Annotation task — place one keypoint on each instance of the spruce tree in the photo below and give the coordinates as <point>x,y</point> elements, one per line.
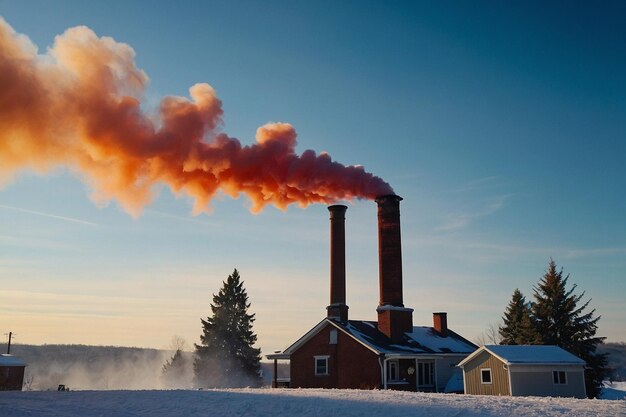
<point>177,371</point>
<point>226,356</point>
<point>562,322</point>
<point>519,327</point>
<point>174,373</point>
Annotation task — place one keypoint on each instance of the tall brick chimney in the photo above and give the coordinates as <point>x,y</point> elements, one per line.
<point>393,318</point>
<point>338,308</point>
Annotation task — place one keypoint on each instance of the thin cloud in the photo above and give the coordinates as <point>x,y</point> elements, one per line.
<point>500,249</point>
<point>182,218</point>
<point>462,220</point>
<point>478,183</point>
<point>49,215</point>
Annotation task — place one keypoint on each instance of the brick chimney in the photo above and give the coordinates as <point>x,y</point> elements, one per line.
<point>393,318</point>
<point>338,308</point>
<point>440,323</point>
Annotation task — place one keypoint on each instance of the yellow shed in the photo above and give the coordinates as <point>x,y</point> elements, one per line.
<point>524,370</point>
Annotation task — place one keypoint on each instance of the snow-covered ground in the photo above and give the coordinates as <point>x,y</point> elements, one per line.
<point>614,391</point>
<point>293,402</point>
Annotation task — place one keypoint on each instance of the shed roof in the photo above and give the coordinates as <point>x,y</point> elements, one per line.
<point>10,360</point>
<point>528,355</point>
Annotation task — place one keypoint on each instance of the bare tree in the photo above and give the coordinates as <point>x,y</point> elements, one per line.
<point>491,336</point>
<point>178,343</point>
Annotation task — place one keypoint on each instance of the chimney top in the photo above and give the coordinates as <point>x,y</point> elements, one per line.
<point>337,208</point>
<point>388,197</point>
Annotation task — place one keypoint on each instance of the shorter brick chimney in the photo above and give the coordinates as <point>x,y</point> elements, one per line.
<point>440,323</point>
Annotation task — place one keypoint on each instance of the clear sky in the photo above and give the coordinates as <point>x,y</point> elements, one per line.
<point>501,124</point>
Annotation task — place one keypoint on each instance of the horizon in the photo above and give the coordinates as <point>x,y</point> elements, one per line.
<point>501,126</point>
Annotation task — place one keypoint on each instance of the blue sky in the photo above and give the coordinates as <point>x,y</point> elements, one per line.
<point>502,125</point>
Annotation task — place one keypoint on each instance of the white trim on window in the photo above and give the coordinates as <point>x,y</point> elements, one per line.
<point>559,377</point>
<point>320,363</point>
<point>426,374</point>
<point>483,373</point>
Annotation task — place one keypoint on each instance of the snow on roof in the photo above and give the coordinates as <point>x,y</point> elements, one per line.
<point>534,354</point>
<point>422,340</point>
<point>367,333</point>
<point>428,337</point>
<point>527,355</point>
<point>10,360</point>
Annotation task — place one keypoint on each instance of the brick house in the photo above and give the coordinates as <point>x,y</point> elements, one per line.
<point>389,353</point>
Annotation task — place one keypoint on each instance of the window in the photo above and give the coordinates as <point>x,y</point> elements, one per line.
<point>333,337</point>
<point>392,371</point>
<point>321,365</point>
<point>485,376</point>
<point>425,374</point>
<point>559,377</point>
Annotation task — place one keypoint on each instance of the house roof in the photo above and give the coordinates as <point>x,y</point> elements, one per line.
<point>10,360</point>
<point>422,340</point>
<point>528,355</point>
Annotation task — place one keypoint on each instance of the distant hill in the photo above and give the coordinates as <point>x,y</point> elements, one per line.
<point>84,367</point>
<point>617,359</point>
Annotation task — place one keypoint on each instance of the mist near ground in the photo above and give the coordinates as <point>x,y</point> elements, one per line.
<point>81,367</point>
<point>84,367</point>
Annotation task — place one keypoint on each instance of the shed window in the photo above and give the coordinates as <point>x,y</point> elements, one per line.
<point>321,365</point>
<point>559,377</point>
<point>485,376</point>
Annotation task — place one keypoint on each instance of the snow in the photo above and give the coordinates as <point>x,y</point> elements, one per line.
<point>422,340</point>
<point>614,391</point>
<point>10,360</point>
<point>534,354</point>
<point>426,336</point>
<point>369,341</point>
<point>293,402</point>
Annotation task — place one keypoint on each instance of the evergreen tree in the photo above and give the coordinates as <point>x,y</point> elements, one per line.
<point>519,327</point>
<point>226,357</point>
<point>176,372</point>
<point>562,322</point>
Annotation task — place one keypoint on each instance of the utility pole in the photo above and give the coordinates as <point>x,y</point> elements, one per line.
<point>10,334</point>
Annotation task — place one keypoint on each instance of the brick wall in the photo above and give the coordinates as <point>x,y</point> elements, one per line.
<point>351,365</point>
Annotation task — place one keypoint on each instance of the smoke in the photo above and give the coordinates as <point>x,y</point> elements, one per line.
<point>79,106</point>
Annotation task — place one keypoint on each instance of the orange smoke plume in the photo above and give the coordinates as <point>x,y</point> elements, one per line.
<point>79,106</point>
